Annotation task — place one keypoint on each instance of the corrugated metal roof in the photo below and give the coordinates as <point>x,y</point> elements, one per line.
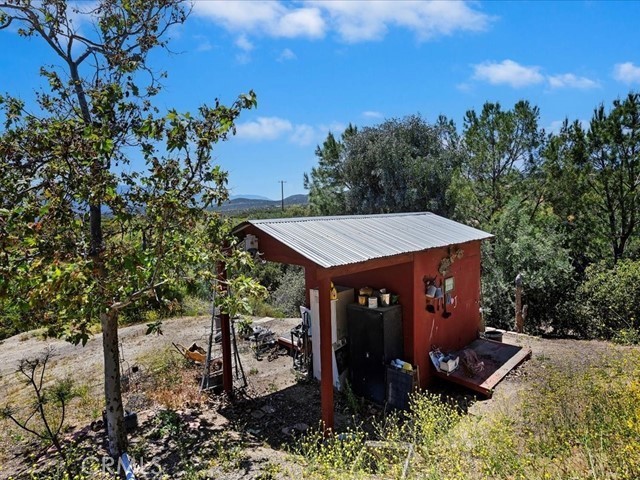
<point>342,240</point>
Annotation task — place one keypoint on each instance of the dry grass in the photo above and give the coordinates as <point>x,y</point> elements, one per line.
<point>579,422</point>
<point>169,379</point>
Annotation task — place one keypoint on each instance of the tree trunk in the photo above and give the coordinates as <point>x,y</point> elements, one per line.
<point>116,433</point>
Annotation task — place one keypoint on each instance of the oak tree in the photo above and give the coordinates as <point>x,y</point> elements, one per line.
<point>84,232</point>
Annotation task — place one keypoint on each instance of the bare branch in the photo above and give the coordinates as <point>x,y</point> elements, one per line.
<point>136,296</point>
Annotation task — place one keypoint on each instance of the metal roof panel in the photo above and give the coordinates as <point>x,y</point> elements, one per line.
<point>342,240</point>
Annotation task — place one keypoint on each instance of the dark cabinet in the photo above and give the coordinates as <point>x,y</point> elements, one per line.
<point>375,338</point>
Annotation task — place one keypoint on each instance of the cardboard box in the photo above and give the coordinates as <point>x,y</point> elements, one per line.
<point>450,365</point>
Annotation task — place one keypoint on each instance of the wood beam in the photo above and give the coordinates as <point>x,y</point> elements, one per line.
<point>364,266</point>
<point>225,324</point>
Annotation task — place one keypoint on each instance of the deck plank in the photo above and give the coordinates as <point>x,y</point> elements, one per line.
<point>499,359</point>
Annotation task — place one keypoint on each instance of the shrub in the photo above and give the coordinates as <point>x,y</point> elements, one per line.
<point>532,248</point>
<point>290,294</point>
<point>609,301</point>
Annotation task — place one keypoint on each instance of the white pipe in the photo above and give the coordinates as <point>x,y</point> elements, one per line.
<point>128,468</point>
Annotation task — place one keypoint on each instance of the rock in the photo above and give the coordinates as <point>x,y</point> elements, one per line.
<point>257,414</point>
<point>97,425</point>
<point>268,409</point>
<point>301,427</point>
<point>286,430</point>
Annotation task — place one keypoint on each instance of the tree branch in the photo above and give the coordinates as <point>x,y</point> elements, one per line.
<point>136,296</point>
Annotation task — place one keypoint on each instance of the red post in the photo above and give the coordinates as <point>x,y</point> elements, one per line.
<point>326,354</point>
<point>227,371</point>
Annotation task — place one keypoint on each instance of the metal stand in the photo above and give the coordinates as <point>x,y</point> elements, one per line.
<point>301,345</point>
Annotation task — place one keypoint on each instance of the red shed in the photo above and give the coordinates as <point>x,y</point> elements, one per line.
<point>404,253</point>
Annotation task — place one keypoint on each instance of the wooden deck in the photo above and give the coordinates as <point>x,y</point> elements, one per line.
<point>499,359</point>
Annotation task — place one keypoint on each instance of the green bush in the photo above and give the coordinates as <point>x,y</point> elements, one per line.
<point>290,294</point>
<point>533,248</point>
<point>609,301</point>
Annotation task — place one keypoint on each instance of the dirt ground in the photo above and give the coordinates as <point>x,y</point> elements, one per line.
<point>275,406</point>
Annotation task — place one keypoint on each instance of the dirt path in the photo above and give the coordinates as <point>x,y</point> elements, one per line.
<point>86,363</point>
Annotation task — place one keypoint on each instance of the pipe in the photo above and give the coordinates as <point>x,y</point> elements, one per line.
<point>128,468</point>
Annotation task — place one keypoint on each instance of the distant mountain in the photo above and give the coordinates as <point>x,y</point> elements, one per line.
<point>248,197</point>
<point>253,202</point>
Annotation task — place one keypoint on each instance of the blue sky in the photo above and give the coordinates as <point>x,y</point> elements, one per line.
<point>317,66</point>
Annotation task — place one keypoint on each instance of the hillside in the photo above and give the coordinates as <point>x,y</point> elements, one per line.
<point>243,203</point>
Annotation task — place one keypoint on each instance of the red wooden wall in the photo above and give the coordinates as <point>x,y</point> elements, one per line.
<point>397,279</point>
<point>422,330</point>
<point>432,330</point>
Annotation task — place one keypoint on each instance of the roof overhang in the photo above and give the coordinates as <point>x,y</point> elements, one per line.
<point>350,239</point>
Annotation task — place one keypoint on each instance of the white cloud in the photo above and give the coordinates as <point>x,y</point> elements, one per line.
<point>626,73</point>
<point>243,43</point>
<point>266,17</point>
<point>507,72</point>
<point>356,22</point>
<point>353,21</point>
<point>372,114</point>
<point>569,80</point>
<point>274,128</point>
<point>204,46</point>
<point>515,75</point>
<point>303,135</point>
<point>264,128</point>
<point>286,54</point>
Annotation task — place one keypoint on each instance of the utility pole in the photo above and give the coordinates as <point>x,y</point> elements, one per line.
<point>282,182</point>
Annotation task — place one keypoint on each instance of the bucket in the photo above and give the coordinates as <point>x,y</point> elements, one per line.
<point>373,302</point>
<point>385,299</point>
<point>495,335</point>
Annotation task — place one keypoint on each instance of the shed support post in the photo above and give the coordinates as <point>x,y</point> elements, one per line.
<point>227,371</point>
<point>326,354</point>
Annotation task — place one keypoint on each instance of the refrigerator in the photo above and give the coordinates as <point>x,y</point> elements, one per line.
<point>339,348</point>
<point>375,338</point>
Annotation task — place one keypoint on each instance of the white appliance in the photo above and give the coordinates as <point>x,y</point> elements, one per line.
<point>338,332</point>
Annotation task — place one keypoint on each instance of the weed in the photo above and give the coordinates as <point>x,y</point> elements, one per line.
<point>228,456</point>
<point>167,424</point>
<point>170,379</point>
<point>354,403</point>
<point>244,326</point>
<point>253,371</point>
<point>627,336</point>
<point>195,307</point>
<point>270,471</point>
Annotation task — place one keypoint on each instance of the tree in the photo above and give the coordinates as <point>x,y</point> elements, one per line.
<point>565,187</point>
<point>614,169</point>
<point>327,184</point>
<point>501,147</point>
<point>609,300</point>
<point>533,248</point>
<point>397,166</point>
<point>80,237</point>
